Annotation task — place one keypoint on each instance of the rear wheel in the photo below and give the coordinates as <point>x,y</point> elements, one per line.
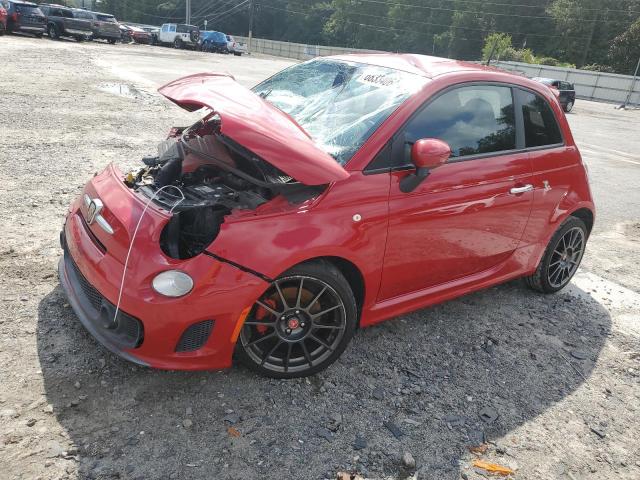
<point>53,32</point>
<point>561,258</point>
<point>301,324</point>
<point>80,38</point>
<point>569,106</point>
<point>112,41</point>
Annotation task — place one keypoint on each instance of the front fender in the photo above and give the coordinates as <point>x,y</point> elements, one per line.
<point>349,221</point>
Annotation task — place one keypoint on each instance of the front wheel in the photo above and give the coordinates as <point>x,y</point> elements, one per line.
<point>569,106</point>
<point>561,258</point>
<point>177,43</point>
<point>112,41</point>
<point>301,324</point>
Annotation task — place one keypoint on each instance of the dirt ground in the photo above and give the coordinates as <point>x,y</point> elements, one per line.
<point>548,386</point>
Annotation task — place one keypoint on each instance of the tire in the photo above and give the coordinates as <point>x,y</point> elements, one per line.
<point>2,29</point>
<point>237,54</point>
<point>178,43</point>
<point>112,41</point>
<point>306,337</point>
<point>557,256</point>
<point>79,38</point>
<point>53,32</point>
<point>37,35</point>
<point>568,107</point>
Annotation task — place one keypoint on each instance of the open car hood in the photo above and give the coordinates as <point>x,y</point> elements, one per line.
<point>256,125</point>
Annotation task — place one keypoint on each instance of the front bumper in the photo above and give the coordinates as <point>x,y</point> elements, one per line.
<point>91,272</point>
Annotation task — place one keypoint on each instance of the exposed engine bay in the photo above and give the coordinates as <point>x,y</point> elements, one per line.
<point>213,176</point>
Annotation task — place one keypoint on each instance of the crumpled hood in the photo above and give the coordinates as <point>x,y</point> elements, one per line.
<point>257,125</point>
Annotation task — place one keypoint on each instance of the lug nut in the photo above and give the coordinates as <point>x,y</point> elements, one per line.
<point>288,330</point>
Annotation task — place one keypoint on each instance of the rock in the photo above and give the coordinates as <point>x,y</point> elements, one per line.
<point>599,432</point>
<point>77,384</point>
<point>189,411</point>
<point>394,429</point>
<point>408,461</point>
<point>187,423</point>
<point>324,433</point>
<point>232,418</point>
<point>48,409</point>
<point>579,354</point>
<point>360,442</point>
<point>31,422</point>
<point>8,412</point>
<point>335,421</point>
<point>488,414</point>
<point>378,393</point>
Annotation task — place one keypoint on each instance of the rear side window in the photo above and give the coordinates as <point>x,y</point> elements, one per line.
<point>540,125</point>
<point>472,120</point>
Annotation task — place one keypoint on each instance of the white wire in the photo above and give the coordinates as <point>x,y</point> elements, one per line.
<point>135,232</point>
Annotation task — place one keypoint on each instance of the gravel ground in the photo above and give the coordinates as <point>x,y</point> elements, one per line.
<point>548,386</point>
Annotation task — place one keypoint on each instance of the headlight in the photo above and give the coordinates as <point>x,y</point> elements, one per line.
<point>172,283</point>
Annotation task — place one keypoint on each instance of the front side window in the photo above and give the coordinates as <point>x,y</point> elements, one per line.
<point>338,103</point>
<point>540,125</point>
<point>471,120</point>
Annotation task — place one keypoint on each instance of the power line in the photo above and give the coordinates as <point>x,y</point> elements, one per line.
<point>484,30</point>
<point>483,3</point>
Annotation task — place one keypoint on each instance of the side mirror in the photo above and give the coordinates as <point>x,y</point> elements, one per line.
<point>426,154</point>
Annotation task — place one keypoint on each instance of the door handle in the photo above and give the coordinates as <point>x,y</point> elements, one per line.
<point>519,190</point>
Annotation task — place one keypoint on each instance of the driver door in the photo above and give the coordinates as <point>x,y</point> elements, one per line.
<point>469,214</point>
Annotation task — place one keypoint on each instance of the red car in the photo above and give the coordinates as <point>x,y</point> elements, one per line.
<point>337,194</point>
<point>3,20</point>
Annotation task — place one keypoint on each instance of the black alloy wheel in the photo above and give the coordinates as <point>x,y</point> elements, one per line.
<point>562,257</point>
<point>301,324</point>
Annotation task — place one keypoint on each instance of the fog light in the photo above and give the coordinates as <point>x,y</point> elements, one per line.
<point>172,283</point>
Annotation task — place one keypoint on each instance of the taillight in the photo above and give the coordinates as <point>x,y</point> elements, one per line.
<point>15,16</point>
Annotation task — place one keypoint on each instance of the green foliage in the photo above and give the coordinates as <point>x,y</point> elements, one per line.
<point>495,44</point>
<point>625,50</point>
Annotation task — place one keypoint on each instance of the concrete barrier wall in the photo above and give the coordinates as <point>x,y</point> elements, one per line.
<point>606,87</point>
<point>298,51</point>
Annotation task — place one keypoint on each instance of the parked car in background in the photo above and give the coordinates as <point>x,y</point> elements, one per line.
<point>125,33</point>
<point>565,91</point>
<point>64,22</point>
<point>3,19</point>
<point>139,35</point>
<point>212,41</point>
<point>154,32</point>
<point>104,27</point>
<point>24,17</point>
<point>334,195</point>
<point>179,35</point>
<point>235,47</point>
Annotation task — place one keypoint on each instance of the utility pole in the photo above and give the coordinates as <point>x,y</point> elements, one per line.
<point>188,13</point>
<point>633,86</point>
<point>250,25</point>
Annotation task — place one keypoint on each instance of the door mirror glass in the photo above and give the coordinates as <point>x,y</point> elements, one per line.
<point>430,153</point>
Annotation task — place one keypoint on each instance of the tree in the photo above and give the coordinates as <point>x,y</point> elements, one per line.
<point>625,50</point>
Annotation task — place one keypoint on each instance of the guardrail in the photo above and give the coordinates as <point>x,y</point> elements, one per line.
<point>604,87</point>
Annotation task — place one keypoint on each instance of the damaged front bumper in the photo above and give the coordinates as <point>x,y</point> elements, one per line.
<point>194,332</point>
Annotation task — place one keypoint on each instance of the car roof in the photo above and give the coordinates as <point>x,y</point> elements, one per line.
<point>424,65</point>
<point>20,2</point>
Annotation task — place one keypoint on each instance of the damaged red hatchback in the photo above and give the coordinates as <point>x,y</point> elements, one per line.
<point>336,194</point>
